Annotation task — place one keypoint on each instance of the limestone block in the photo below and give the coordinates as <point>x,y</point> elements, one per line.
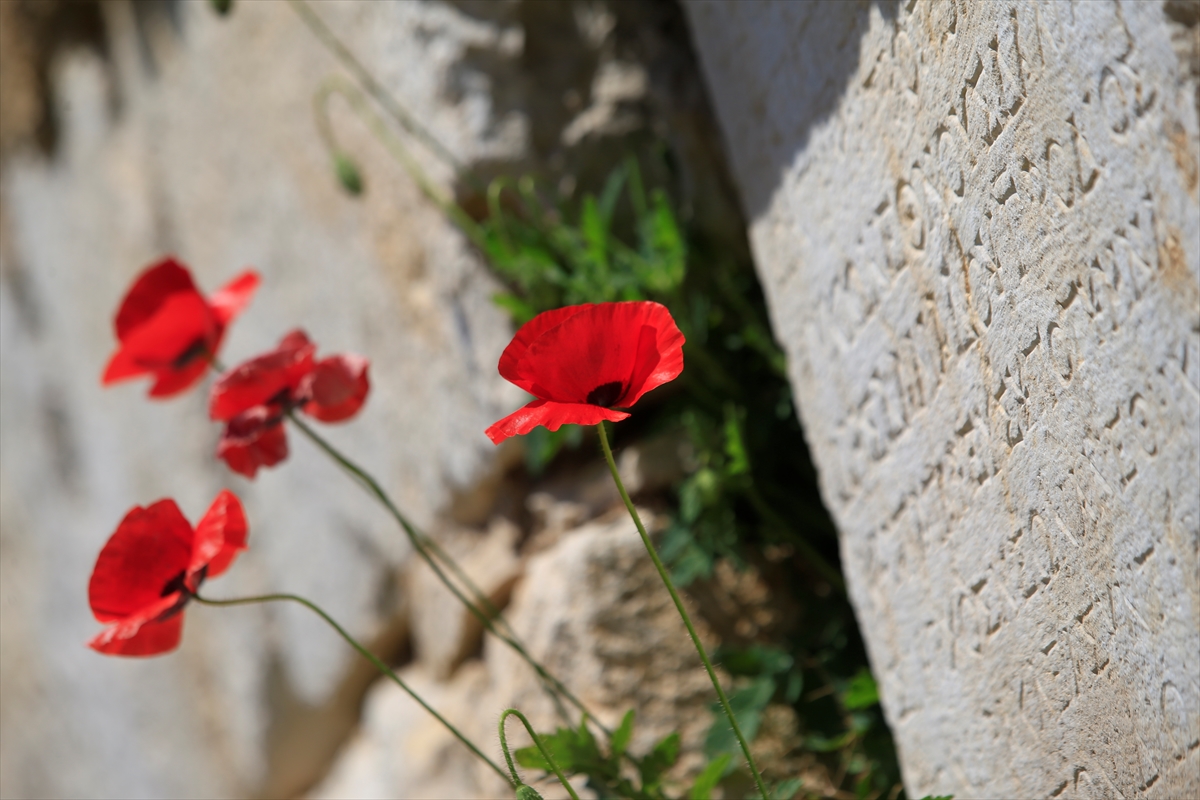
<point>594,611</point>
<point>978,230</point>
<point>195,136</point>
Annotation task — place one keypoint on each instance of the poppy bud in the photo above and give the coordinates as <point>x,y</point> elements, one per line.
<point>348,174</point>
<point>527,793</point>
<point>222,7</point>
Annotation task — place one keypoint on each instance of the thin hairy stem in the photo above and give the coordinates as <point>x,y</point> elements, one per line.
<point>373,87</point>
<point>421,544</point>
<point>537,740</point>
<point>687,620</point>
<point>367,654</point>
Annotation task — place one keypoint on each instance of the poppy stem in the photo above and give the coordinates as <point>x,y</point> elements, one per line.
<point>370,84</point>
<point>537,740</point>
<point>687,620</point>
<point>383,668</point>
<point>424,546</point>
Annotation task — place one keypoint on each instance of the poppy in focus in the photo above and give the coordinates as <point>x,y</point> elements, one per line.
<point>167,329</point>
<point>584,362</point>
<point>151,566</point>
<point>253,398</point>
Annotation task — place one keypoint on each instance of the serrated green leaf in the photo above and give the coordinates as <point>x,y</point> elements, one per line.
<point>622,735</point>
<point>735,446</point>
<point>707,780</point>
<point>661,758</point>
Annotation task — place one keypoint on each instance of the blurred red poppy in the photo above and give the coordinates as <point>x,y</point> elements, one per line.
<point>167,329</point>
<point>254,397</point>
<point>584,362</point>
<point>150,567</point>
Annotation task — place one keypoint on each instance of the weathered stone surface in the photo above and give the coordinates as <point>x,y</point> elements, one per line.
<point>593,610</point>
<point>978,229</point>
<point>196,137</point>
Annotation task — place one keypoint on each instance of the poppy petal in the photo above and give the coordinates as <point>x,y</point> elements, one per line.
<point>659,360</point>
<point>140,635</point>
<point>596,347</point>
<point>220,536</point>
<point>170,382</point>
<point>149,291</point>
<point>528,333</point>
<point>255,438</point>
<point>150,548</point>
<point>552,416</point>
<point>173,339</point>
<point>121,365</point>
<point>254,382</point>
<point>336,388</point>
<point>230,300</point>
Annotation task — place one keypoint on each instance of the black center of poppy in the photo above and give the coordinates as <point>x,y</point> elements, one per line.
<point>176,584</point>
<point>606,394</point>
<point>197,349</point>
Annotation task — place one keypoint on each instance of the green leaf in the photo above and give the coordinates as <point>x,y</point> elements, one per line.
<point>785,790</point>
<point>755,660</point>
<point>622,735</point>
<point>735,445</point>
<point>747,705</point>
<point>861,692</point>
<point>707,780</point>
<point>659,760</point>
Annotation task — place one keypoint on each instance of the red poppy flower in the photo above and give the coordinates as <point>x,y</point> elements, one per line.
<point>583,362</point>
<point>254,397</point>
<point>150,567</point>
<point>167,329</point>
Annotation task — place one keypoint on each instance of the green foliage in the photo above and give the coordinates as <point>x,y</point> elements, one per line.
<point>707,780</point>
<point>222,7</point>
<point>861,691</point>
<point>577,752</point>
<point>549,263</point>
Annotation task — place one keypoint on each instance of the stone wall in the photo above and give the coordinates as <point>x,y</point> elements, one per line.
<point>977,225</point>
<point>143,128</point>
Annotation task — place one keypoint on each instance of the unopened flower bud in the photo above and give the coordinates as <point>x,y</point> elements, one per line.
<point>527,793</point>
<point>348,174</point>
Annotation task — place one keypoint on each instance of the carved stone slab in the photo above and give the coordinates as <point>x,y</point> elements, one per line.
<point>978,230</point>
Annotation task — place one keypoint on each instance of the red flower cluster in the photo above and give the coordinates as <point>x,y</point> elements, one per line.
<point>167,329</point>
<point>152,565</point>
<point>253,398</point>
<point>583,362</point>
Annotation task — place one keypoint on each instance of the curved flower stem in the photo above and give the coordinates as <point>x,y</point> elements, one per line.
<point>687,620</point>
<point>367,654</point>
<point>372,86</point>
<point>423,545</point>
<point>537,740</point>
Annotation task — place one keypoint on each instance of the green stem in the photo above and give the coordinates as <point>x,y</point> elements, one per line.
<point>687,620</point>
<point>537,741</point>
<point>372,86</point>
<point>367,654</point>
<point>422,545</point>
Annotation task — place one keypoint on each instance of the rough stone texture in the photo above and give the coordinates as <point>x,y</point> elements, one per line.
<point>196,136</point>
<point>593,610</point>
<point>978,229</point>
